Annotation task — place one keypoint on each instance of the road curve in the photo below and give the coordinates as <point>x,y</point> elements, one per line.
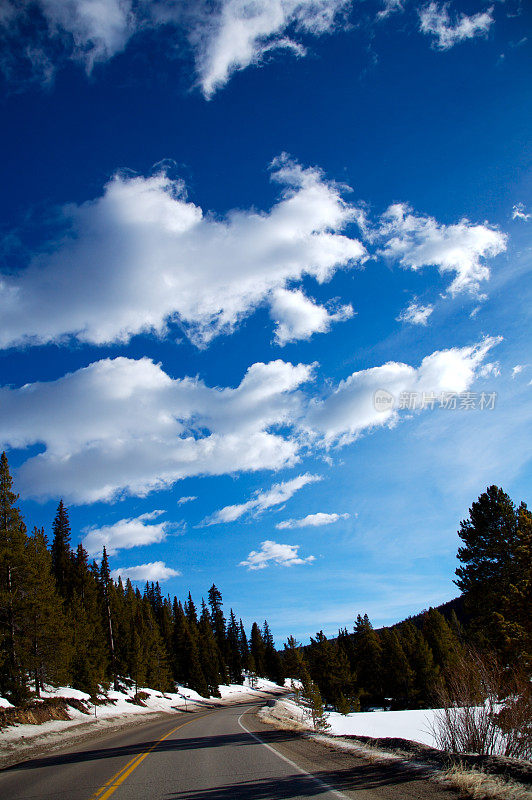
<point>226,754</point>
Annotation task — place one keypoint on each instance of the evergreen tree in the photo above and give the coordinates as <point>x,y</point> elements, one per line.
<point>48,653</point>
<point>272,660</point>
<point>247,662</point>
<point>368,661</point>
<point>218,626</point>
<point>106,586</point>
<point>397,675</point>
<point>258,650</point>
<point>187,665</point>
<point>514,619</point>
<point>330,670</point>
<point>234,662</point>
<point>421,661</point>
<point>209,653</point>
<point>89,653</point>
<point>488,557</point>
<point>13,591</point>
<point>61,551</point>
<point>445,647</point>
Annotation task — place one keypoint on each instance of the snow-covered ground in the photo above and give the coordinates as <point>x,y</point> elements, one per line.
<point>413,725</point>
<point>118,708</point>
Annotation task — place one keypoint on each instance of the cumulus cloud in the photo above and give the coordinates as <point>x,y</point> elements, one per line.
<point>123,425</point>
<point>418,241</point>
<point>262,500</point>
<point>284,555</point>
<point>518,212</point>
<point>240,33</point>
<point>152,571</point>
<point>415,313</point>
<point>436,21</point>
<point>124,534</point>
<point>298,317</point>
<point>142,254</point>
<point>311,521</point>
<point>351,408</point>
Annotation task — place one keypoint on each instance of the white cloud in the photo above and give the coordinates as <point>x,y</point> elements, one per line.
<point>436,21</point>
<point>188,499</point>
<point>122,425</point>
<point>284,555</point>
<point>43,33</point>
<point>390,7</point>
<point>418,241</point>
<point>518,212</point>
<point>239,33</point>
<point>350,409</point>
<point>492,368</point>
<point>124,534</point>
<point>311,521</point>
<point>152,571</point>
<point>141,255</point>
<point>415,313</point>
<point>279,493</point>
<point>298,317</point>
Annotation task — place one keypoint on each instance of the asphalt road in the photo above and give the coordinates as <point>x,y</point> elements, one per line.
<point>226,754</point>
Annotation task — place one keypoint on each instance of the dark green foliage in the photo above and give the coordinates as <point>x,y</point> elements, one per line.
<point>257,650</point>
<point>273,664</point>
<point>331,671</point>
<point>234,662</point>
<point>368,661</point>
<point>14,588</point>
<point>61,552</point>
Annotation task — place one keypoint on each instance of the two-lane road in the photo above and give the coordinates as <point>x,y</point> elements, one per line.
<point>226,754</point>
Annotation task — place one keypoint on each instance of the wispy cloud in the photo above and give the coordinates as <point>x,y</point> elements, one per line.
<point>262,500</point>
<point>283,555</point>
<point>415,313</point>
<point>311,521</point>
<point>298,317</point>
<point>188,499</point>
<point>518,212</point>
<point>436,21</point>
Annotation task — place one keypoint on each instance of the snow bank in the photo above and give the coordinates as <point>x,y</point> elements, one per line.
<point>119,706</point>
<point>413,725</point>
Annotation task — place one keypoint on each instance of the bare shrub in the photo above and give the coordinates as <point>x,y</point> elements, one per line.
<point>484,709</point>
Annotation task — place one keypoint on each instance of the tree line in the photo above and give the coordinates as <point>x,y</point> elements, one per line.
<point>65,621</point>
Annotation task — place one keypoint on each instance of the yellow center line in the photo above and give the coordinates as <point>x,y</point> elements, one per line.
<point>119,777</point>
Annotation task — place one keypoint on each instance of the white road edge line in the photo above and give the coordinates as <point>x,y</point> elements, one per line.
<point>292,763</point>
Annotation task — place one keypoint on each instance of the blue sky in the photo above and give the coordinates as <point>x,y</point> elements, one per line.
<point>224,228</point>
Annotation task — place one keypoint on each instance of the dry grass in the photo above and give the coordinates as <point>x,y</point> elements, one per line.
<point>481,786</point>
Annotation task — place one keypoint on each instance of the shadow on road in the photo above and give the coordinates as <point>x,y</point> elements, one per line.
<point>190,743</point>
<point>364,777</point>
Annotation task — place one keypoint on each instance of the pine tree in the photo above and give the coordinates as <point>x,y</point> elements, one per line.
<point>368,661</point>
<point>514,620</point>
<point>313,699</point>
<point>106,587</point>
<point>89,659</point>
<point>245,655</point>
<point>208,653</point>
<point>488,557</point>
<point>397,675</point>
<point>218,626</point>
<point>234,662</point>
<point>258,650</point>
<point>187,665</point>
<point>13,591</point>
<point>48,652</point>
<point>421,661</point>
<point>445,647</point>
<point>272,660</point>
<point>61,552</point>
